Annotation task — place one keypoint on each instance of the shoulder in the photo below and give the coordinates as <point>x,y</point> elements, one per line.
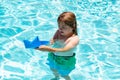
<point>74,39</point>
<point>72,42</point>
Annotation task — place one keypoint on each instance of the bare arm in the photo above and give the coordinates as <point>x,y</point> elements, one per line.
<point>71,44</point>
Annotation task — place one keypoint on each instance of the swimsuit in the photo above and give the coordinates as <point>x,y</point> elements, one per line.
<point>63,64</point>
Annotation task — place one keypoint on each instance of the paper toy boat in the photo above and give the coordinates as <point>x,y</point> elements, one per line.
<point>35,43</point>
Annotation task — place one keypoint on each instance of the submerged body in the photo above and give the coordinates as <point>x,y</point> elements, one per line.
<point>61,57</point>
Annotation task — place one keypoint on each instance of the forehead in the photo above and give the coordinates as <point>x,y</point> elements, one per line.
<point>62,25</point>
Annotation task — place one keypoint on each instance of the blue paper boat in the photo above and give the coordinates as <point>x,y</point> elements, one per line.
<point>35,43</point>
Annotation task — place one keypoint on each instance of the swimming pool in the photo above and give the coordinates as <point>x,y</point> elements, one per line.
<point>98,54</point>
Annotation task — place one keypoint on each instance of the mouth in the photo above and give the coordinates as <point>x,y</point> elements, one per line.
<point>61,32</point>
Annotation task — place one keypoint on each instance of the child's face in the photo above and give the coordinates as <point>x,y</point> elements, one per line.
<point>65,30</point>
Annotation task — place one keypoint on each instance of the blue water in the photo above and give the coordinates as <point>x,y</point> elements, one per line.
<point>98,54</point>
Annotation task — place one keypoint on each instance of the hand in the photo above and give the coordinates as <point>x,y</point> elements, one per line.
<point>51,41</point>
<point>43,48</point>
<point>46,48</point>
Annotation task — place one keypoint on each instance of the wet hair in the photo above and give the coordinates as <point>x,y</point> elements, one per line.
<point>69,19</point>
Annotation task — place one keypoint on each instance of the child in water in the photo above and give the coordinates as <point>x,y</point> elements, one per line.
<point>61,57</point>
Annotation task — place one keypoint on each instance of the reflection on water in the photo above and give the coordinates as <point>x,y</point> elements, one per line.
<point>98,27</point>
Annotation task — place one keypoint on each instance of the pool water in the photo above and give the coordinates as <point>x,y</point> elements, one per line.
<point>98,53</point>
